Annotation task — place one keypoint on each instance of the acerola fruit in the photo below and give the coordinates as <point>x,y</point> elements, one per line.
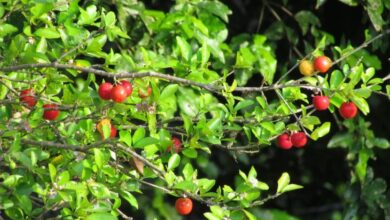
<point>322,64</point>
<point>105,90</point>
<point>118,94</point>
<point>27,97</point>
<point>183,206</point>
<point>51,111</point>
<point>176,145</point>
<point>299,139</point>
<point>127,85</point>
<point>348,110</point>
<point>284,141</point>
<point>113,131</point>
<point>106,122</point>
<point>321,102</point>
<point>144,94</point>
<point>306,68</point>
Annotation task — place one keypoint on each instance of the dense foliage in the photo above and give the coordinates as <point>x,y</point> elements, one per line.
<point>76,141</point>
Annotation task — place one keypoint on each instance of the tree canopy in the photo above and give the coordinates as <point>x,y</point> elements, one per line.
<point>117,109</point>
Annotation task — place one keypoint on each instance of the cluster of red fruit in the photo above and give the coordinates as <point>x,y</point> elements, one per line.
<point>321,64</point>
<point>51,111</point>
<point>120,91</point>
<point>286,141</point>
<point>320,102</point>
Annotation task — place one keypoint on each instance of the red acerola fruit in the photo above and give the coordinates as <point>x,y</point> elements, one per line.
<point>51,111</point>
<point>127,85</point>
<point>284,141</point>
<point>144,94</point>
<point>176,145</point>
<point>118,94</point>
<point>322,64</point>
<point>299,139</point>
<point>28,98</point>
<point>183,206</point>
<point>321,102</point>
<point>105,90</point>
<point>348,110</point>
<point>113,131</point>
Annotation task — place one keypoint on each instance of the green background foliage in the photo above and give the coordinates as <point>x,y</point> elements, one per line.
<point>226,91</point>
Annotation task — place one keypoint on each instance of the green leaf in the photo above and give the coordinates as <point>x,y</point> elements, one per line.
<point>173,161</point>
<point>205,54</point>
<point>375,9</point>
<point>100,216</point>
<point>205,185</point>
<point>48,33</point>
<point>125,137</point>
<point>190,153</point>
<point>350,2</point>
<point>305,19</point>
<point>211,216</point>
<point>340,140</point>
<point>249,215</point>
<point>99,190</point>
<point>388,90</point>
<point>12,180</point>
<point>88,16</point>
<point>321,131</point>
<point>110,19</point>
<point>217,8</point>
<point>6,29</point>
<point>370,72</point>
<point>98,157</point>
<point>243,104</point>
<point>265,58</point>
<point>291,187</point>
<point>185,48</point>
<point>130,198</point>
<point>361,166</point>
<point>188,171</point>
<point>168,91</point>
<point>336,79</point>
<point>361,103</point>
<point>25,203</point>
<point>186,185</point>
<point>283,181</point>
<point>381,143</point>
<point>52,172</point>
<point>146,142</point>
<point>217,211</point>
<point>138,134</point>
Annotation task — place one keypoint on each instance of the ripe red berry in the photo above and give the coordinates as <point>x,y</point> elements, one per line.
<point>284,141</point>
<point>348,110</point>
<point>176,145</point>
<point>27,97</point>
<point>322,64</point>
<point>144,94</point>
<point>183,206</point>
<point>51,111</point>
<point>105,90</point>
<point>127,85</point>
<point>118,94</point>
<point>299,139</point>
<point>113,131</point>
<point>321,102</point>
